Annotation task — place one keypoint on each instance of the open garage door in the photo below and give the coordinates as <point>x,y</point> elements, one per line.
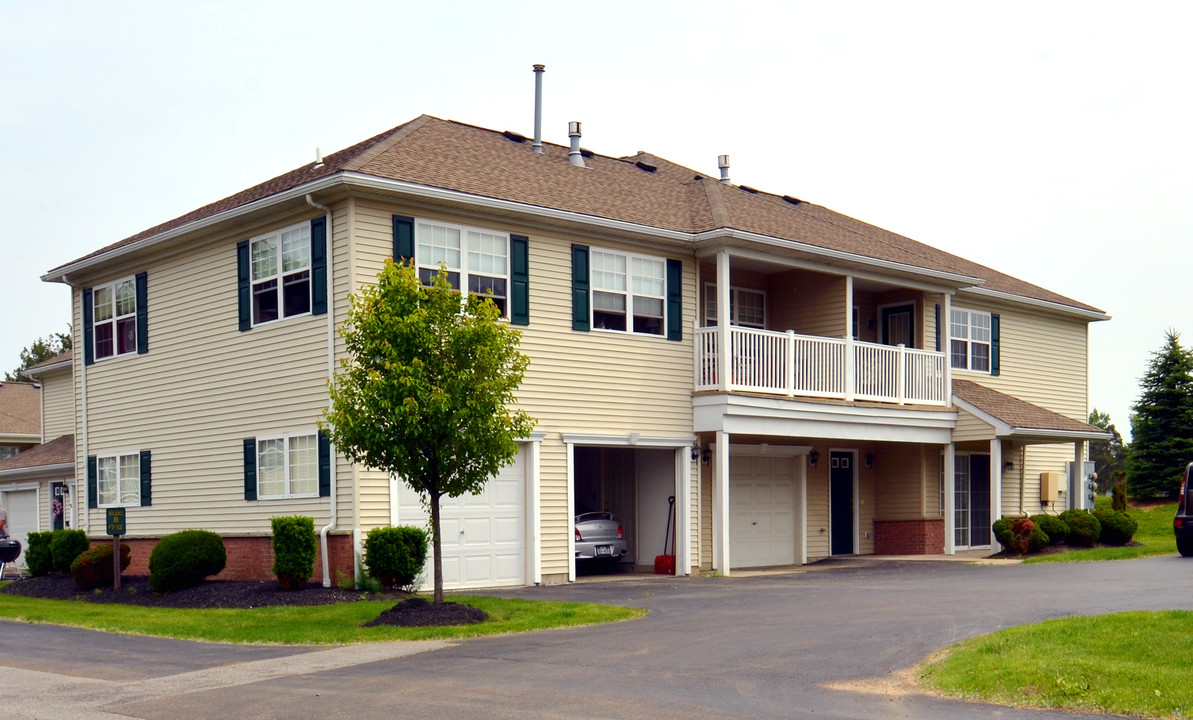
<point>762,512</point>
<point>484,535</point>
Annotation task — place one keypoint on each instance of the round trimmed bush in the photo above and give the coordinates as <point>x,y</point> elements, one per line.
<point>65,546</point>
<point>93,567</point>
<point>1055,528</point>
<point>1117,527</point>
<point>182,559</point>
<point>1002,531</point>
<point>1084,528</point>
<point>395,555</point>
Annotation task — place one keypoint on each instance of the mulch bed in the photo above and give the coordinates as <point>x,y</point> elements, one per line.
<point>408,611</point>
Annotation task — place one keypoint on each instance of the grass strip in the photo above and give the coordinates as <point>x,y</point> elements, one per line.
<point>309,625</point>
<point>1154,535</point>
<point>1132,663</point>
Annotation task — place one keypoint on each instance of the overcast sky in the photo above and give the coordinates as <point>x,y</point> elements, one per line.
<point>1048,140</point>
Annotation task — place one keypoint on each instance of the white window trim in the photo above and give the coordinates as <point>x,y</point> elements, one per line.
<point>281,275</point>
<point>117,455</point>
<point>629,293</point>
<point>710,291</point>
<point>287,495</point>
<point>113,320</point>
<point>969,341</point>
<point>466,272</point>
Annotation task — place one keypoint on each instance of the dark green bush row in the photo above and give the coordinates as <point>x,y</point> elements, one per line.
<point>1117,527</point>
<point>395,555</point>
<point>294,544</point>
<point>93,567</point>
<point>65,546</point>
<point>183,559</point>
<point>39,560</point>
<point>1084,528</point>
<point>1079,528</point>
<point>1055,528</point>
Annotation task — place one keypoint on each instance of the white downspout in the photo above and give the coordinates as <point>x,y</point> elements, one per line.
<point>331,369</point>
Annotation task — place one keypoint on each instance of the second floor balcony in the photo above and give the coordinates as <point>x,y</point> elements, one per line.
<point>793,365</point>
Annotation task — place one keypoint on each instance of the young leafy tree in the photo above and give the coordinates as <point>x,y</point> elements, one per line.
<point>428,391</point>
<point>41,350</point>
<point>1162,423</point>
<point>1109,456</point>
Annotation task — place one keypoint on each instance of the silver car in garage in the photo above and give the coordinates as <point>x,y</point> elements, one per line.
<point>600,537</point>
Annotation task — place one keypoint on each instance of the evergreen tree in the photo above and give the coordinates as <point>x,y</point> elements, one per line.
<point>1162,423</point>
<point>1109,456</point>
<point>41,350</point>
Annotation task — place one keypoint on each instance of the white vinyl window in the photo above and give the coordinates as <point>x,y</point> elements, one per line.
<point>8,451</point>
<point>629,292</point>
<point>969,340</point>
<point>114,318</point>
<point>118,479</point>
<point>747,308</point>
<point>288,466</point>
<point>474,258</point>
<point>281,273</point>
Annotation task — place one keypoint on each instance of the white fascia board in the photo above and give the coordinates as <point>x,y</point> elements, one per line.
<point>66,470</point>
<point>736,414</point>
<point>950,279</point>
<point>630,440</point>
<point>20,438</point>
<point>1092,315</point>
<point>49,368</point>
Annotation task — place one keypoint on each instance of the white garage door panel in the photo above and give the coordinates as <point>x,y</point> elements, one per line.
<point>484,535</point>
<point>21,506</point>
<point>761,512</point>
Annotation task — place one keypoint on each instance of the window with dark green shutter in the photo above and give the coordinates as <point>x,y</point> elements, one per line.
<point>146,479</point>
<point>403,238</point>
<point>519,280</point>
<point>674,300</point>
<point>92,477</point>
<point>277,273</point>
<point>319,266</point>
<point>324,465</point>
<point>115,319</point>
<point>995,344</point>
<point>580,287</point>
<point>88,339</point>
<point>250,468</point>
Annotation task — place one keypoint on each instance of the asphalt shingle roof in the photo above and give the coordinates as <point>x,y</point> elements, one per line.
<point>59,451</point>
<point>1015,412</point>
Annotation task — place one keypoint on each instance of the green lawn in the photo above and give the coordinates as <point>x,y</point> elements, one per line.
<point>323,624</point>
<point>1134,663</point>
<point>1154,535</point>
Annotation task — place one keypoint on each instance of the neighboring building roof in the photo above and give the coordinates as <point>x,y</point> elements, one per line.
<point>641,189</point>
<point>1017,414</point>
<point>60,451</point>
<point>60,360</point>
<point>20,409</point>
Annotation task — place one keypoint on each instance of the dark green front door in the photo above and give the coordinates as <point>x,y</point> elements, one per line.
<point>840,478</point>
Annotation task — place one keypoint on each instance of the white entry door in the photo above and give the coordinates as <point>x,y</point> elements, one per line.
<point>761,511</point>
<point>21,506</point>
<point>484,535</point>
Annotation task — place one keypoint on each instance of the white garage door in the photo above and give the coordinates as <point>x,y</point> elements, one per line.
<point>761,512</point>
<point>484,536</point>
<point>21,506</point>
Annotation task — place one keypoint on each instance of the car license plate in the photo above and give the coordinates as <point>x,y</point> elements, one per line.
<point>604,550</point>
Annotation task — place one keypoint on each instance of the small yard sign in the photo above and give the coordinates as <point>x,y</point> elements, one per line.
<point>116,521</point>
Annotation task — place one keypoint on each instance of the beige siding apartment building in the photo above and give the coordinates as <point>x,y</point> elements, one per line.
<point>798,383</point>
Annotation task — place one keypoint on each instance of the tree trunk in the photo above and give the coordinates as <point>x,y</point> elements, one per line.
<point>437,547</point>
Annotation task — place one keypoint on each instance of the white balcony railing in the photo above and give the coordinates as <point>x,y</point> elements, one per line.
<point>765,361</point>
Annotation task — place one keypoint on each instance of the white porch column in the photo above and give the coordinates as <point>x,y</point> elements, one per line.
<point>995,489</point>
<point>683,511</point>
<point>946,319</point>
<point>850,351</point>
<point>720,505</point>
<point>950,483</point>
<point>801,509</point>
<point>723,319</point>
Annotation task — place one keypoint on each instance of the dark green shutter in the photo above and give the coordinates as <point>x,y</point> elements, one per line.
<point>937,328</point>
<point>674,300</point>
<point>146,480</point>
<point>319,266</point>
<point>324,465</point>
<point>519,280</point>
<point>580,297</point>
<point>403,238</point>
<point>142,314</point>
<point>995,343</point>
<point>92,484</point>
<point>88,330</point>
<point>250,469</point>
<point>244,285</point>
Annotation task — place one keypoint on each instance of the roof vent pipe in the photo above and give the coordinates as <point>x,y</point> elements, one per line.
<point>318,157</point>
<point>538,108</point>
<point>723,163</point>
<point>574,154</point>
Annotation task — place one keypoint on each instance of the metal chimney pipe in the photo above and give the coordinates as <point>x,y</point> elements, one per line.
<point>538,107</point>
<point>574,155</point>
<point>723,163</point>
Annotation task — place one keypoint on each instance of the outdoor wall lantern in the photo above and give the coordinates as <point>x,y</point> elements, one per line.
<point>1009,465</point>
<point>813,458</point>
<point>706,456</point>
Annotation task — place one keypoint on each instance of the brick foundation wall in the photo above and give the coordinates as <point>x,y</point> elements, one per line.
<point>909,537</point>
<point>249,558</point>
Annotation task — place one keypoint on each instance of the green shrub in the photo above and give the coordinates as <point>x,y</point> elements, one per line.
<point>1084,528</point>
<point>65,546</point>
<point>395,555</point>
<point>1117,527</point>
<point>1002,531</point>
<point>39,559</point>
<point>93,567</point>
<point>1055,528</point>
<point>182,559</point>
<point>294,545</point>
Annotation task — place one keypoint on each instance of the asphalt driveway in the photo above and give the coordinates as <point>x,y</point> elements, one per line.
<point>825,643</point>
